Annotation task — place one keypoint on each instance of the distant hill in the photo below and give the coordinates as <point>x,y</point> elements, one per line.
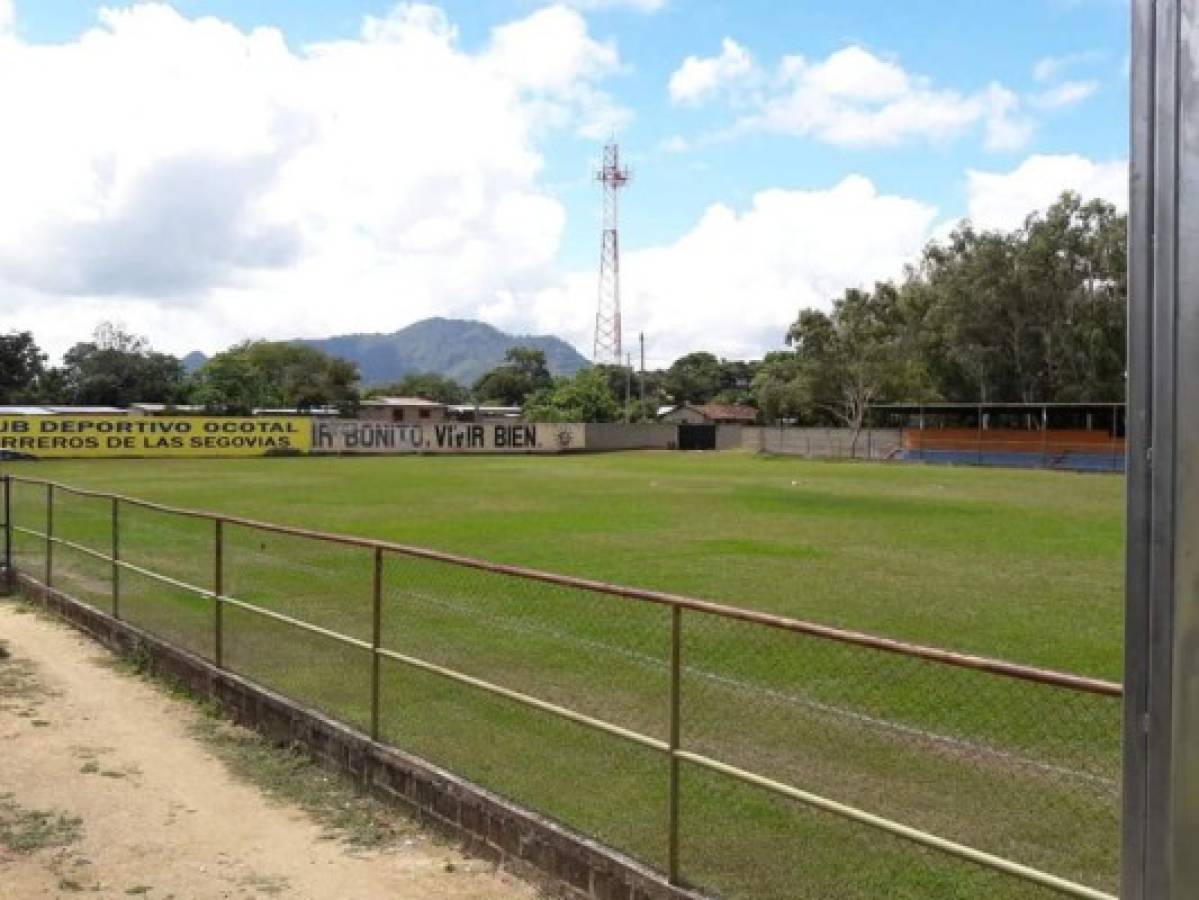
<point>193,361</point>
<point>456,348</point>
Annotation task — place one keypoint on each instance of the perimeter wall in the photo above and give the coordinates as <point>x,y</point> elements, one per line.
<point>817,443</point>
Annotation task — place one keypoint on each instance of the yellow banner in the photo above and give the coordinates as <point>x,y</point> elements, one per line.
<point>100,436</point>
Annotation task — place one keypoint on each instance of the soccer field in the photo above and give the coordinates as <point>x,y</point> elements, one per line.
<point>1026,565</point>
<point>1021,565</point>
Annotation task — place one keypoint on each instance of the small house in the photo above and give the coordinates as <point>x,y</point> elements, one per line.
<point>711,414</point>
<point>410,410</point>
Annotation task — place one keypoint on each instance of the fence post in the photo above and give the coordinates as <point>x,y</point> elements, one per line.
<point>676,613</point>
<point>978,455</point>
<point>218,591</point>
<point>8,574</point>
<point>49,533</point>
<point>376,636</point>
<point>116,557</point>
<point>1044,437</point>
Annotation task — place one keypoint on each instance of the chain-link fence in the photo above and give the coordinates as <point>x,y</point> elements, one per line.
<point>741,753</point>
<point>1080,451</point>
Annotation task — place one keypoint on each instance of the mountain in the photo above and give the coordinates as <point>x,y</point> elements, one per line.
<point>193,361</point>
<point>457,348</point>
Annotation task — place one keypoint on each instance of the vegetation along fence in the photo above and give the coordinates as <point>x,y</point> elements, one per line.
<point>743,754</point>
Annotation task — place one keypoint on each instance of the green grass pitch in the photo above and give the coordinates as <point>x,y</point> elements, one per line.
<point>1022,565</point>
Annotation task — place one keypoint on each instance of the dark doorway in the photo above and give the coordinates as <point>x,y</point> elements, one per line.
<point>697,437</point>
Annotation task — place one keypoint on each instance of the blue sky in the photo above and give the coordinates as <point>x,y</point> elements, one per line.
<point>1007,83</point>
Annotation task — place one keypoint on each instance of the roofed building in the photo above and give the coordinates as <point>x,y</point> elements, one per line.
<point>416,410</point>
<point>711,414</point>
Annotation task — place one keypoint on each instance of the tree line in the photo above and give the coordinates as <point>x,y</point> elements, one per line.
<point>118,368</point>
<point>1036,314</point>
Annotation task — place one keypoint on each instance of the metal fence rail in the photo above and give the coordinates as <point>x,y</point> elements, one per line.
<point>761,700</point>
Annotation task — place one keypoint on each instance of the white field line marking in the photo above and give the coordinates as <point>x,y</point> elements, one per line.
<point>742,686</point>
<point>760,691</point>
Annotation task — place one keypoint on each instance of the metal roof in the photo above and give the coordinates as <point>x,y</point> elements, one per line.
<point>1046,404</point>
<point>86,410</point>
<point>163,407</point>
<point>292,411</point>
<point>402,401</point>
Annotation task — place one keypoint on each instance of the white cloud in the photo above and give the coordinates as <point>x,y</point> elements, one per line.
<point>205,183</point>
<point>1002,200</point>
<point>7,17</point>
<point>851,73</point>
<point>644,6</point>
<point>702,77</point>
<point>856,98</point>
<point>735,281</point>
<point>1067,93</point>
<point>1050,67</point>
<point>674,144</point>
<point>1006,128</point>
<point>551,54</point>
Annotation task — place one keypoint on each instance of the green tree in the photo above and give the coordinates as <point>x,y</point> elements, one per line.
<point>429,385</point>
<point>275,374</point>
<point>778,388</point>
<point>585,398</point>
<point>22,366</point>
<point>230,383</point>
<point>1034,314</point>
<point>117,368</point>
<point>736,382</point>
<point>523,372</point>
<point>694,378</point>
<point>860,353</point>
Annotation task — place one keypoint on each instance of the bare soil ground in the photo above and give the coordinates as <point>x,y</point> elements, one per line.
<point>105,790</point>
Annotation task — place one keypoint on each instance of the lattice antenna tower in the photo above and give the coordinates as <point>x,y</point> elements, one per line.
<point>612,177</point>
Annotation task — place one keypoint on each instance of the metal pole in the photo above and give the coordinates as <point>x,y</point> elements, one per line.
<point>920,452</point>
<point>1161,645</point>
<point>49,533</point>
<point>1115,441</point>
<point>676,615</point>
<point>1044,437</point>
<point>978,457</point>
<point>628,386</point>
<point>8,529</point>
<point>116,555</point>
<point>641,338</point>
<point>218,593</point>
<point>376,639</point>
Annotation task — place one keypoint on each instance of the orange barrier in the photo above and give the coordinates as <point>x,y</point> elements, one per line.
<point>1011,440</point>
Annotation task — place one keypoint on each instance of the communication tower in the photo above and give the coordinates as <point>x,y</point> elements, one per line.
<point>612,177</point>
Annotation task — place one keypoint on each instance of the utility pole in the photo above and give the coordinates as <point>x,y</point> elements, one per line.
<point>628,385</point>
<point>641,339</point>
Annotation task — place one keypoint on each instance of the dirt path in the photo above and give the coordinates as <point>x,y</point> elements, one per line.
<point>104,792</point>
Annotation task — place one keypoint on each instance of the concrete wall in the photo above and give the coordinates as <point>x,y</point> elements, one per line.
<point>729,437</point>
<point>822,443</point>
<point>636,436</point>
<point>342,436</point>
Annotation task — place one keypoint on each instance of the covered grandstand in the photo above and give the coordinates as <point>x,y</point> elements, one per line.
<point>1085,437</point>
